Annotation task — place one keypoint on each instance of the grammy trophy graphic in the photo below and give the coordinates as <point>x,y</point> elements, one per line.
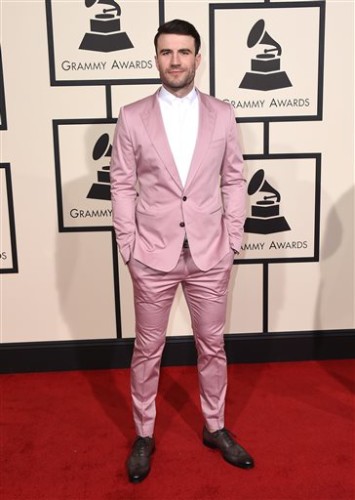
<point>105,29</point>
<point>265,71</point>
<point>265,212</point>
<point>100,190</point>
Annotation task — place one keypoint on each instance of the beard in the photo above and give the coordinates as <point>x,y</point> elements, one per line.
<point>178,81</point>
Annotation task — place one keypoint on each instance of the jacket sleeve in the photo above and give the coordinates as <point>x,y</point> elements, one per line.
<point>233,185</point>
<point>123,187</point>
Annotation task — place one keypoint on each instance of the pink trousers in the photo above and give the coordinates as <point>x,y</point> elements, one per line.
<point>206,296</point>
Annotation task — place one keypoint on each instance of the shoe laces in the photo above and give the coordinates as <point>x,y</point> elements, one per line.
<point>227,437</point>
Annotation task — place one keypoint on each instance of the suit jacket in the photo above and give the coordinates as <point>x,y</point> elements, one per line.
<point>152,211</point>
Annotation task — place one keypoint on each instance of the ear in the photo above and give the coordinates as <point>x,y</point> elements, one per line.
<point>198,60</point>
<point>156,62</point>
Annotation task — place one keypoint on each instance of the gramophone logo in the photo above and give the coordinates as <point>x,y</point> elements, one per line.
<point>83,173</point>
<point>105,29</point>
<point>100,190</point>
<point>265,212</point>
<point>266,73</point>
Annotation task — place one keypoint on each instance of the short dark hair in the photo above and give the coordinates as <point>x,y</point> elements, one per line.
<point>178,27</point>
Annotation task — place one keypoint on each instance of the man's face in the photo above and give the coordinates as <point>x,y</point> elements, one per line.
<point>177,63</point>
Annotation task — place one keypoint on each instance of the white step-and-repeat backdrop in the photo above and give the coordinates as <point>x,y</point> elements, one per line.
<point>67,67</point>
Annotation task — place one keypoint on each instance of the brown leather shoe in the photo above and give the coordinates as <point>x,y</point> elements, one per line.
<point>138,463</point>
<point>231,451</point>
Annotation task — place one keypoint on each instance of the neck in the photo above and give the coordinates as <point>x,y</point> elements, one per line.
<point>181,92</point>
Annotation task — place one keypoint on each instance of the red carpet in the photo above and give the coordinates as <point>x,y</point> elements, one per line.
<point>66,435</point>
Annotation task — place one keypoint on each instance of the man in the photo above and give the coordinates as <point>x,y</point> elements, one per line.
<point>178,197</point>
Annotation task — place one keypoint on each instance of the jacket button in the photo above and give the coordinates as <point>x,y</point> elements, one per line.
<point>182,224</point>
<point>184,198</point>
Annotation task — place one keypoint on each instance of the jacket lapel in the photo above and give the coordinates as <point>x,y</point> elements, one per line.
<point>204,136</point>
<point>154,124</point>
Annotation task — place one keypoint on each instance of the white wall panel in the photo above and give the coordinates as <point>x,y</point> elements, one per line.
<point>70,284</point>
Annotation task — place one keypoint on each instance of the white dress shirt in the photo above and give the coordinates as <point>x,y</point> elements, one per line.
<point>180,117</point>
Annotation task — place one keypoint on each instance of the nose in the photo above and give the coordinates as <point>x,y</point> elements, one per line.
<point>175,59</point>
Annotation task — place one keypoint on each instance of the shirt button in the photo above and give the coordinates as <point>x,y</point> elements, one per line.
<point>182,224</point>
<point>184,198</point>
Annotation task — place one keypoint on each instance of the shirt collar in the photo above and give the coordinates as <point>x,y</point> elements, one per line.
<point>169,98</point>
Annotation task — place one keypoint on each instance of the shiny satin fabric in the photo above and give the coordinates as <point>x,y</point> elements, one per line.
<point>206,296</point>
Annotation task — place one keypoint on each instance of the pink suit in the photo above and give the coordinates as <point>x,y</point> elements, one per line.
<point>152,215</point>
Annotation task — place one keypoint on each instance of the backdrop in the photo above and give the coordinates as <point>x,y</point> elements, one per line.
<point>66,69</point>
